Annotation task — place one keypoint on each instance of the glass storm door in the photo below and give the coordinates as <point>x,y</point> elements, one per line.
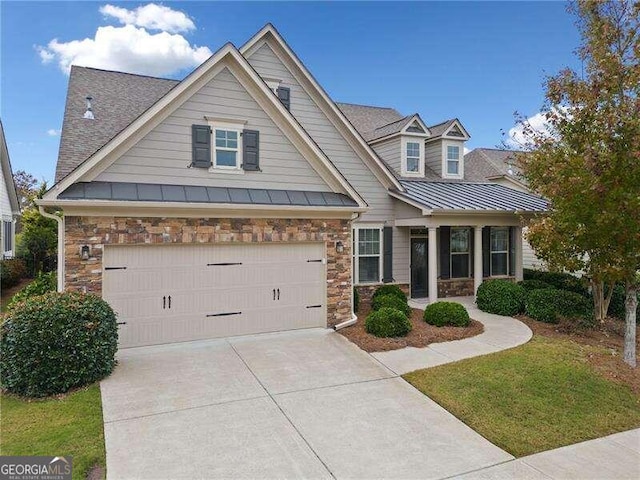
<point>419,268</point>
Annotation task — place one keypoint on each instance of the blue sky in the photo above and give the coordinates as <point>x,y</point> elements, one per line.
<point>478,61</point>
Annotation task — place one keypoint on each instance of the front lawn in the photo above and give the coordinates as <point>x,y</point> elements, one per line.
<point>69,425</point>
<point>535,397</point>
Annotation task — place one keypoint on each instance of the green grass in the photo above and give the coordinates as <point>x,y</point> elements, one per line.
<point>532,398</point>
<point>68,426</point>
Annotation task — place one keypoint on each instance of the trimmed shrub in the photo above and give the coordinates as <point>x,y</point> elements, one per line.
<point>559,280</point>
<point>549,305</point>
<point>387,322</point>
<point>446,313</point>
<point>501,297</point>
<point>529,285</point>
<point>392,301</point>
<point>43,283</point>
<point>55,342</point>
<point>390,290</point>
<point>11,272</point>
<point>356,300</point>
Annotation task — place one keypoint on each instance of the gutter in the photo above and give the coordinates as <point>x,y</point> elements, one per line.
<point>60,221</point>
<point>354,317</point>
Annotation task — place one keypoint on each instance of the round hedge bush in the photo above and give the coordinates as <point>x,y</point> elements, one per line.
<point>529,285</point>
<point>55,342</point>
<point>549,305</point>
<point>392,301</point>
<point>501,297</point>
<point>390,290</point>
<point>387,322</point>
<point>441,314</point>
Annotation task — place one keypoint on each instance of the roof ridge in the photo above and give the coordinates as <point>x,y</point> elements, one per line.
<point>363,105</point>
<point>395,121</point>
<point>441,123</point>
<point>125,73</point>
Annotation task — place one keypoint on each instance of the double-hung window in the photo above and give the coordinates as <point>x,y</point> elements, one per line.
<point>367,254</point>
<point>499,251</point>
<point>413,157</point>
<point>460,252</point>
<point>453,160</point>
<point>227,148</point>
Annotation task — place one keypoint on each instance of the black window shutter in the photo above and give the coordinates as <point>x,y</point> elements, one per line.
<point>251,150</point>
<point>486,252</point>
<point>445,252</point>
<point>201,146</point>
<point>471,251</point>
<point>284,94</point>
<point>387,258</point>
<point>512,251</point>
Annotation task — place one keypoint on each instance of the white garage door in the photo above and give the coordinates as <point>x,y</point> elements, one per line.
<point>177,293</point>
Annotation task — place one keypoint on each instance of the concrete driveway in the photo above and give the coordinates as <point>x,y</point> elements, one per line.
<point>305,404</point>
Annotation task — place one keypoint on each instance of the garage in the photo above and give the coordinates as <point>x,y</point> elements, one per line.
<point>177,293</point>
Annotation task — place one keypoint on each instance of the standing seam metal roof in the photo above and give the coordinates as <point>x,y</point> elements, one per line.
<point>471,197</point>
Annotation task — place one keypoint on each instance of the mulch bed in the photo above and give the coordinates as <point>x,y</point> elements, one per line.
<point>609,336</point>
<point>421,335</point>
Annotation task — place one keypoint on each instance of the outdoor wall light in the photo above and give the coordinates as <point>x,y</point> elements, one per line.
<point>84,252</point>
<point>339,246</point>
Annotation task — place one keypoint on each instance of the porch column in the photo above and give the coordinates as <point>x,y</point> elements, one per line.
<point>433,266</point>
<point>518,253</point>
<point>477,258</point>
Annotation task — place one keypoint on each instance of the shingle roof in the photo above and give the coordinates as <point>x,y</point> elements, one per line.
<point>118,99</point>
<point>493,162</point>
<point>471,197</point>
<point>438,129</point>
<point>366,119</point>
<point>193,194</point>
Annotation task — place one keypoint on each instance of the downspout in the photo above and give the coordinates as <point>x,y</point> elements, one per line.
<point>60,221</point>
<point>354,317</point>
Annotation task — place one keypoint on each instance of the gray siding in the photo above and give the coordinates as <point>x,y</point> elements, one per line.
<point>529,259</point>
<point>391,152</point>
<point>331,141</point>
<point>433,156</point>
<point>163,155</point>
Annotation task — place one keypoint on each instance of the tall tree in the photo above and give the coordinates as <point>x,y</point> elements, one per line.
<point>26,187</point>
<point>587,163</point>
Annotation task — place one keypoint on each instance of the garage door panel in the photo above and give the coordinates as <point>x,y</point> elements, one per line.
<point>215,290</point>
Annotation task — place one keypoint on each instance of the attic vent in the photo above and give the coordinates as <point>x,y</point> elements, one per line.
<point>89,113</point>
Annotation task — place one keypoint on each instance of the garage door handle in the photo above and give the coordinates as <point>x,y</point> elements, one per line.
<point>164,302</point>
<point>278,294</point>
<point>274,293</point>
<point>169,301</point>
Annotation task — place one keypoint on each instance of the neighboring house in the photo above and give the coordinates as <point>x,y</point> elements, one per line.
<point>242,199</point>
<point>9,205</point>
<point>501,166</point>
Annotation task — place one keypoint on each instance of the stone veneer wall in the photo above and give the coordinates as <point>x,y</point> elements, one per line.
<point>459,287</point>
<point>86,275</point>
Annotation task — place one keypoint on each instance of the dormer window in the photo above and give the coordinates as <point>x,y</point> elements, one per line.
<point>453,160</point>
<point>412,157</point>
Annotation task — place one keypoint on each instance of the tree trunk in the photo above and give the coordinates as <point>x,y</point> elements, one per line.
<point>631,305</point>
<point>600,300</point>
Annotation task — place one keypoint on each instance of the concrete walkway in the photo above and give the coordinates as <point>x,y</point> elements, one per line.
<point>500,333</point>
<point>614,457</point>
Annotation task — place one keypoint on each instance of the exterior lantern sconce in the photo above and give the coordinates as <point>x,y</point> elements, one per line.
<point>84,252</point>
<point>339,246</point>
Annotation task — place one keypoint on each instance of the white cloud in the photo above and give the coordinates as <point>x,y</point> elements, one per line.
<point>518,138</point>
<point>131,48</point>
<point>151,16</point>
<point>52,132</point>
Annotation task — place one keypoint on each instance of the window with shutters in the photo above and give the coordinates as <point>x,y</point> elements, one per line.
<point>499,244</point>
<point>226,145</point>
<point>460,252</point>
<point>367,254</point>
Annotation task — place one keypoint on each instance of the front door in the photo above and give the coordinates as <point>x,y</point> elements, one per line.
<point>419,287</point>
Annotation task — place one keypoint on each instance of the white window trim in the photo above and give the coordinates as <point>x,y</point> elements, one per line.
<point>355,232</point>
<point>491,252</point>
<point>452,253</point>
<point>421,162</point>
<point>445,173</point>
<point>231,126</point>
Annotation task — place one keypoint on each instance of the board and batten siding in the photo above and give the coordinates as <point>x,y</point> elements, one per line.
<point>335,146</point>
<point>164,154</point>
<point>391,152</point>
